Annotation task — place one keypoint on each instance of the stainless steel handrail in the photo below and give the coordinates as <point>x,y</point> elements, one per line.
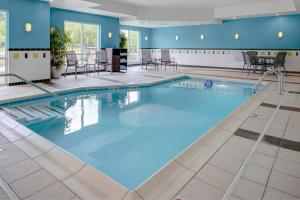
<point>34,85</point>
<point>269,71</point>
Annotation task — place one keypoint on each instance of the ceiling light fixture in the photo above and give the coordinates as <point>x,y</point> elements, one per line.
<point>177,37</point>
<point>146,38</point>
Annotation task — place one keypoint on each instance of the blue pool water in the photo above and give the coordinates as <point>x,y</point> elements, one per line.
<point>129,134</point>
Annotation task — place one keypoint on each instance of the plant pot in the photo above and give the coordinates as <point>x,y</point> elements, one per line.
<point>55,73</point>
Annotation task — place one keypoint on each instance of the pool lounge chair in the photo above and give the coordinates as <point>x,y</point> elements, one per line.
<point>147,59</point>
<point>167,60</point>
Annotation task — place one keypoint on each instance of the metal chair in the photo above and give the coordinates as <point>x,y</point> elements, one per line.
<point>279,61</point>
<point>167,60</point>
<point>247,63</point>
<point>255,62</point>
<point>147,59</point>
<point>72,61</point>
<point>101,60</point>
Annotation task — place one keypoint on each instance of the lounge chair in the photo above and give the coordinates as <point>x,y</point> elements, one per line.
<point>167,60</point>
<point>147,59</point>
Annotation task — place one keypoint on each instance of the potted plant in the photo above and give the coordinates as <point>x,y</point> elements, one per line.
<point>59,42</point>
<point>123,41</point>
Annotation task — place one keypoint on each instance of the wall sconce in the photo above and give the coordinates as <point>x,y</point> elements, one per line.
<point>146,38</point>
<point>201,37</point>
<point>177,37</point>
<point>28,27</point>
<point>237,36</point>
<point>280,35</point>
<point>110,35</point>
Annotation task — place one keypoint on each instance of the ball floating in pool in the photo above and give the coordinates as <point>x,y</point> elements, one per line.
<point>208,83</point>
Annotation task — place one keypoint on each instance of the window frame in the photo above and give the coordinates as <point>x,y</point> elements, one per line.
<point>82,50</point>
<point>129,43</point>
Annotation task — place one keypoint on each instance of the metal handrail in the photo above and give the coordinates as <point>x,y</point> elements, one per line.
<point>269,71</point>
<point>34,85</point>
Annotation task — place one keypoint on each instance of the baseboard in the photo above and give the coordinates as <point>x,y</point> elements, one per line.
<point>23,83</point>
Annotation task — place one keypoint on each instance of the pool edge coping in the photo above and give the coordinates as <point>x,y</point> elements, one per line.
<point>137,190</point>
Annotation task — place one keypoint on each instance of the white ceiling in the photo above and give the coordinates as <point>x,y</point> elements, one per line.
<point>161,13</point>
<point>188,3</point>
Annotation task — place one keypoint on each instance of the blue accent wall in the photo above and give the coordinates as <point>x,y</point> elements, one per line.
<point>19,13</point>
<point>257,33</point>
<point>143,32</point>
<point>106,24</point>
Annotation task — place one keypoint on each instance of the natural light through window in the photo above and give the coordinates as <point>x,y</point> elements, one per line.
<point>132,44</point>
<point>85,37</point>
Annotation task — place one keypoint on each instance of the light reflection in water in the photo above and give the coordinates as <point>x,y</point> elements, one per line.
<point>86,109</point>
<point>85,112</point>
<point>131,97</point>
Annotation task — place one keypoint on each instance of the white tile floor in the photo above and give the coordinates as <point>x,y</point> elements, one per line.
<point>35,169</point>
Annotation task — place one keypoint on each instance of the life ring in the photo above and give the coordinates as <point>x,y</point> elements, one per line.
<point>208,83</point>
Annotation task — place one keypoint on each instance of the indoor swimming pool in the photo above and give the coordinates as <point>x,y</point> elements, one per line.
<point>131,133</point>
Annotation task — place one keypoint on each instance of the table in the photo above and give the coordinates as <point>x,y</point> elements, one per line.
<point>266,61</point>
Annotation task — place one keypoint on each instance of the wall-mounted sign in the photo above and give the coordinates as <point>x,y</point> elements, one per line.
<point>16,56</point>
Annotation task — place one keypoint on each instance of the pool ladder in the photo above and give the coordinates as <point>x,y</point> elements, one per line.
<point>270,71</point>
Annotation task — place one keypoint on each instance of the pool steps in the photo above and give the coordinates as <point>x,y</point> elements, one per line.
<point>30,115</point>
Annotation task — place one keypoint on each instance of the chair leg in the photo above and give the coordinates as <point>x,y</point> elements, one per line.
<point>66,71</point>
<point>285,70</point>
<point>243,67</point>
<point>75,72</point>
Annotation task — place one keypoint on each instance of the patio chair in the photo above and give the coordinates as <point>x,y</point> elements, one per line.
<point>72,61</point>
<point>279,61</point>
<point>247,63</point>
<point>167,60</point>
<point>147,59</point>
<point>255,63</point>
<point>101,60</point>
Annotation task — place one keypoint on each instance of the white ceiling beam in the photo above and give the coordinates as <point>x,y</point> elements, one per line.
<point>121,8</point>
<point>297,5</point>
<point>256,9</point>
<point>173,14</point>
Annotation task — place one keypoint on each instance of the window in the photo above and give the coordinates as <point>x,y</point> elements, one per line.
<point>3,44</point>
<point>132,44</point>
<point>84,36</point>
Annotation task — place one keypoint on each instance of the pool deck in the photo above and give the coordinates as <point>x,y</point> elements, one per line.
<point>252,154</point>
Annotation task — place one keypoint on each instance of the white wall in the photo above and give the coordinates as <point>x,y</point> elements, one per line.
<point>224,58</point>
<point>35,67</point>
